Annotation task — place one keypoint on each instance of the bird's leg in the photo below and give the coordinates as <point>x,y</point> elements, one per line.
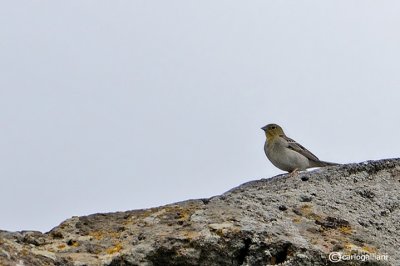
<point>294,173</point>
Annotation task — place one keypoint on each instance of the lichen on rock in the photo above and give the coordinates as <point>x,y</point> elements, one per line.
<point>351,209</point>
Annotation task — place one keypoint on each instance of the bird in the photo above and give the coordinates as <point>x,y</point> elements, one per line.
<point>286,154</point>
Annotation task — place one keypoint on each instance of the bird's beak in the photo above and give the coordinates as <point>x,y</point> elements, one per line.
<point>264,128</point>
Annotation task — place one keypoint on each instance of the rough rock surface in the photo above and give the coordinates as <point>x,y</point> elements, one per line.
<point>284,220</point>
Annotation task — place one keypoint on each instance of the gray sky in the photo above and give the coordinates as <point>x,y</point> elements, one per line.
<point>118,105</point>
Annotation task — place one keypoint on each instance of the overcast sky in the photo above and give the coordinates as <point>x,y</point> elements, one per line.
<point>118,105</point>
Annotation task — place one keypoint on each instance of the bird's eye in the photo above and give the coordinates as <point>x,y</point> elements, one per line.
<point>273,127</point>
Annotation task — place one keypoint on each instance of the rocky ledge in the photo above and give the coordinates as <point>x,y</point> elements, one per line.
<point>351,211</point>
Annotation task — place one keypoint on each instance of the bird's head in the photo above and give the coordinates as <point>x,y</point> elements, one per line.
<point>272,130</point>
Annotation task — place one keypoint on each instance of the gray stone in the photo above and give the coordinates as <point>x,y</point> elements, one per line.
<point>351,209</point>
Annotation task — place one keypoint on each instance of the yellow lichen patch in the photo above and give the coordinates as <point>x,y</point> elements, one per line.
<point>296,220</point>
<point>170,214</point>
<point>97,235</point>
<point>142,214</point>
<point>100,235</point>
<point>61,246</point>
<point>185,215</point>
<point>313,216</point>
<point>113,234</point>
<point>24,251</point>
<point>350,247</point>
<point>191,234</point>
<point>114,249</point>
<point>306,210</point>
<point>221,232</point>
<point>369,249</point>
<point>224,228</point>
<point>347,230</point>
<point>178,213</point>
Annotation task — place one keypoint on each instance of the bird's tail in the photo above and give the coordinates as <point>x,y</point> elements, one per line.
<point>322,164</point>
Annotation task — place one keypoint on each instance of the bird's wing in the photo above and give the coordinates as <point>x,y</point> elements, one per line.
<point>300,149</point>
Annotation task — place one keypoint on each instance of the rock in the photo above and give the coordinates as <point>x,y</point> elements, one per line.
<point>346,210</point>
<point>282,208</point>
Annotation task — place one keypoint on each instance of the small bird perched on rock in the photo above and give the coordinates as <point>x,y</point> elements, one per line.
<point>287,154</point>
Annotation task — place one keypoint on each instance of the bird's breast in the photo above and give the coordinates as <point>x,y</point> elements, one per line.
<point>284,158</point>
